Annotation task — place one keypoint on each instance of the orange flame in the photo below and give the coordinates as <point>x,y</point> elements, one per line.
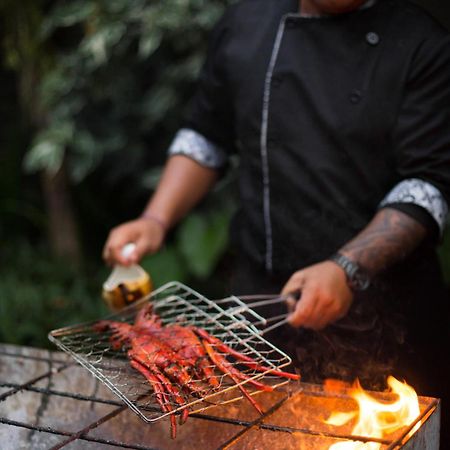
<point>377,419</point>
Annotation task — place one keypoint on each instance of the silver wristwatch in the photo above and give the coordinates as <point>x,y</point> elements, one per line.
<point>357,278</point>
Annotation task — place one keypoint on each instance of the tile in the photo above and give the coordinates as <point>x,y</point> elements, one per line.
<point>15,438</point>
<point>195,434</point>
<point>258,439</point>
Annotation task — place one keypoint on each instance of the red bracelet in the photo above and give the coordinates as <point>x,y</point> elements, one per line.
<point>150,216</point>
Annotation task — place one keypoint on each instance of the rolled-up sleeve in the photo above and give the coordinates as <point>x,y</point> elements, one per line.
<point>194,145</point>
<point>422,133</point>
<point>421,200</point>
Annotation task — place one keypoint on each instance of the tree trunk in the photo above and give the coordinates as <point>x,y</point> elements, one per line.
<point>62,229</point>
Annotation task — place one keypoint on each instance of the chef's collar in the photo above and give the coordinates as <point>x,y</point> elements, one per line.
<point>365,5</point>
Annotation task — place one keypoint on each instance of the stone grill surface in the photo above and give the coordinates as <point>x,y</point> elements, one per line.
<point>48,401</point>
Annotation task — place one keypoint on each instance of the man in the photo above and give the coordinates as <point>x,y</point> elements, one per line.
<point>340,112</point>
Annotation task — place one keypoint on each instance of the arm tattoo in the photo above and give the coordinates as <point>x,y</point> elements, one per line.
<point>388,238</point>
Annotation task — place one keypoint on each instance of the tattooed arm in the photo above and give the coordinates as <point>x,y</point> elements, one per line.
<point>389,238</point>
<point>325,294</point>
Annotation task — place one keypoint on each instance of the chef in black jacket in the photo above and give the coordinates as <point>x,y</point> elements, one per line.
<point>339,111</point>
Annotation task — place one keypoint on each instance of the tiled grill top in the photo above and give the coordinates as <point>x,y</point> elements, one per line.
<point>48,401</point>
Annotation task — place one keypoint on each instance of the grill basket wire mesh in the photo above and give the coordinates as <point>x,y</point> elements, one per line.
<point>176,303</point>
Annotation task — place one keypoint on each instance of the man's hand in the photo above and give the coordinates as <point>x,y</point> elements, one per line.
<point>325,295</point>
<point>147,234</point>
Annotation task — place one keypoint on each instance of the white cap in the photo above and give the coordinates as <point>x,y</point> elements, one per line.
<point>128,250</point>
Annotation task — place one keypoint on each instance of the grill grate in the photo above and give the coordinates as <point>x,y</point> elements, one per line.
<point>175,303</point>
<point>283,432</point>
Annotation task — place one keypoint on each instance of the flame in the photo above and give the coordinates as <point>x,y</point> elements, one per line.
<point>375,418</point>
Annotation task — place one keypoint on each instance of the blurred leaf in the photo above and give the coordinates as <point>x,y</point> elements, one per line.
<point>47,151</point>
<point>45,155</point>
<point>158,102</point>
<point>94,46</point>
<point>84,155</point>
<point>122,73</point>
<point>150,179</point>
<point>165,266</point>
<point>148,43</point>
<point>202,240</point>
<point>68,13</point>
<point>98,46</point>
<point>55,85</point>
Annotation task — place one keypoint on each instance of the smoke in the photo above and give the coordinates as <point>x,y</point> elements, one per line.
<point>366,344</point>
<point>397,327</point>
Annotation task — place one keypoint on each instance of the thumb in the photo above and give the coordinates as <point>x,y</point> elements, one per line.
<point>303,309</point>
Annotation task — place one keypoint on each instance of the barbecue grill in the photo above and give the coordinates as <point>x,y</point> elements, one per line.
<point>47,400</point>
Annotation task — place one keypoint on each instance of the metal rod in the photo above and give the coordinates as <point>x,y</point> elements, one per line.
<point>270,301</point>
<point>260,300</point>
<point>245,298</point>
<point>35,358</point>
<point>258,421</point>
<point>275,318</point>
<point>347,437</point>
<point>90,427</point>
<point>424,416</point>
<point>51,372</point>
<point>290,430</point>
<point>258,296</point>
<point>275,325</point>
<point>80,397</point>
<point>68,433</point>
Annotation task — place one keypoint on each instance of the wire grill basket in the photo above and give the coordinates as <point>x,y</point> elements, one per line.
<point>176,303</point>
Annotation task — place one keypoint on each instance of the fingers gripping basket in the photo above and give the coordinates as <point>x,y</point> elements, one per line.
<point>176,303</point>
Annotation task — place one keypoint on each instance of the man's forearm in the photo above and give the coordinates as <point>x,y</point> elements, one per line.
<point>388,238</point>
<point>183,184</point>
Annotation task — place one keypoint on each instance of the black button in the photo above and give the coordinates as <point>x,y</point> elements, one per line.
<point>355,96</point>
<point>372,38</point>
<point>276,81</point>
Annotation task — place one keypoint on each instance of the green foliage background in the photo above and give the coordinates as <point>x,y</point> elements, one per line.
<point>99,87</point>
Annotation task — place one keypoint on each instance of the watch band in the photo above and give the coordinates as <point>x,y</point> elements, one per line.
<point>357,278</point>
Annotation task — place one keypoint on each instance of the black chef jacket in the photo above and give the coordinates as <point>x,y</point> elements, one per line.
<point>327,115</point>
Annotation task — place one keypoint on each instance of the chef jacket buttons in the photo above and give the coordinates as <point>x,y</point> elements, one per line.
<point>355,96</point>
<point>372,38</point>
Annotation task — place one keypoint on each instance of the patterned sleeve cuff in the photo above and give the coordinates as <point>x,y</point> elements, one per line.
<point>194,145</point>
<point>422,194</point>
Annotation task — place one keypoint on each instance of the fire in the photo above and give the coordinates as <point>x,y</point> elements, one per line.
<point>377,419</point>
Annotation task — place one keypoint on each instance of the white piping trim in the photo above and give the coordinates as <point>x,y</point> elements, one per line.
<point>263,143</point>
